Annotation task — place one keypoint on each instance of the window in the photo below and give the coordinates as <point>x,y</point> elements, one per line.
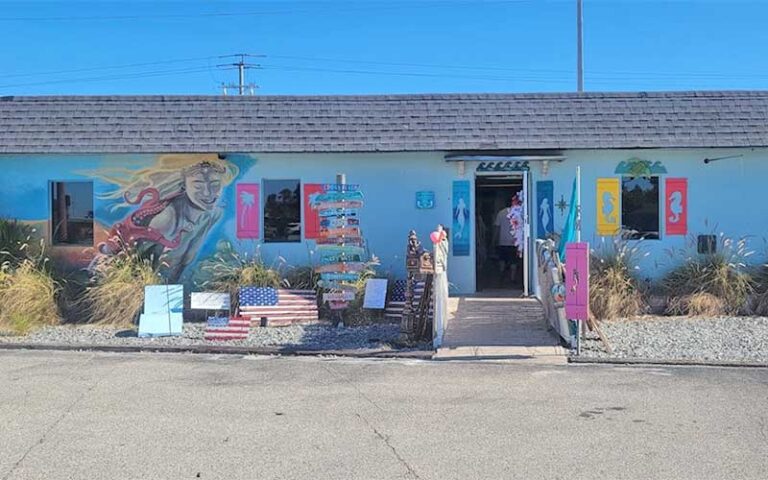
<point>640,207</point>
<point>72,213</point>
<point>282,211</point>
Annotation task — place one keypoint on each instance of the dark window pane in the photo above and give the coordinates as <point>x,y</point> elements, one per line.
<point>282,211</point>
<point>640,206</point>
<point>72,213</point>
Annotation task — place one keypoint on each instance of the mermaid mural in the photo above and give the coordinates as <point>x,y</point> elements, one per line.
<point>175,204</point>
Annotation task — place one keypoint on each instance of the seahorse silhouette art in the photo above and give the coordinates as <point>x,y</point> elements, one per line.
<point>609,208</point>
<point>675,206</point>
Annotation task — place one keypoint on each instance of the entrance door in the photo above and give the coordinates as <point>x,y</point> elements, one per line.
<point>500,263</point>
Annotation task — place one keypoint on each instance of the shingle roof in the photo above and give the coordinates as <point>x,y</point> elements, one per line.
<point>388,123</point>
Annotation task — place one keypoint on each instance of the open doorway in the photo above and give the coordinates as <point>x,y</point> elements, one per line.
<point>499,263</point>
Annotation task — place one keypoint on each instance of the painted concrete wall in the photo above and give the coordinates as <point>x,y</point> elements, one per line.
<point>724,196</point>
<point>389,182</point>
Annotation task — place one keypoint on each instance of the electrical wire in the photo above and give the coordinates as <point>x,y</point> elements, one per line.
<point>319,8</point>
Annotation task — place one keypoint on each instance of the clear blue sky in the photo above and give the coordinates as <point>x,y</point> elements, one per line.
<point>375,46</point>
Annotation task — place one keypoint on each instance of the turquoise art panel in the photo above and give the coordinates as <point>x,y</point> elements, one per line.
<point>545,209</point>
<point>460,232</point>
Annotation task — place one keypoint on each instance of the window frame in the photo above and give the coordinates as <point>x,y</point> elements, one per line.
<point>263,219</point>
<point>51,234</point>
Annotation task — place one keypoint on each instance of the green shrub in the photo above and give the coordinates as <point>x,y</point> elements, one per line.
<point>615,292</point>
<point>116,294</point>
<point>723,276</point>
<point>28,295</point>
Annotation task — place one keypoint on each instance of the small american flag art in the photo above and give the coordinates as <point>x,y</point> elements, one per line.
<point>396,301</point>
<point>227,328</point>
<point>280,307</point>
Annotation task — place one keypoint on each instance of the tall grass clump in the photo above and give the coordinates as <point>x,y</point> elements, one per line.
<point>28,290</point>
<point>228,270</point>
<point>16,243</point>
<point>115,295</point>
<point>28,296</point>
<point>709,284</point>
<point>615,291</point>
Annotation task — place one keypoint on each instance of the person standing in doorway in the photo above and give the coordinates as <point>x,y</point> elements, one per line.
<point>504,242</point>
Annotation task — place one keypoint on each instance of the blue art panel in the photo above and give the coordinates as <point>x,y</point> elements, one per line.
<point>545,210</point>
<point>425,200</point>
<point>460,232</point>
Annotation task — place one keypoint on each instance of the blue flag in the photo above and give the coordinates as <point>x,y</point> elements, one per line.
<point>569,229</point>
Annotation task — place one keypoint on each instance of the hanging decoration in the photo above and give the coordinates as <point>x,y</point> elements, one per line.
<point>516,222</point>
<point>608,209</point>
<point>425,200</point>
<point>461,223</point>
<point>635,167</point>
<point>340,245</point>
<point>676,202</point>
<point>545,209</point>
<point>247,210</point>
<point>311,218</point>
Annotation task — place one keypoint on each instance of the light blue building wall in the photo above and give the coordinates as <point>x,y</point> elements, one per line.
<point>723,196</point>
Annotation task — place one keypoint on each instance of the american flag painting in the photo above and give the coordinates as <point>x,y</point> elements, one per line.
<point>280,307</point>
<point>396,301</point>
<point>227,328</point>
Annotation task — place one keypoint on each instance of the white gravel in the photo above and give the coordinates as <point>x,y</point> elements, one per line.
<point>740,339</point>
<point>309,337</point>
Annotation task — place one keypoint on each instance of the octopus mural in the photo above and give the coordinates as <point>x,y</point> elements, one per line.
<point>172,206</point>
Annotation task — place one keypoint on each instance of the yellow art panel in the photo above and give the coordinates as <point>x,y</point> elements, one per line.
<point>608,207</point>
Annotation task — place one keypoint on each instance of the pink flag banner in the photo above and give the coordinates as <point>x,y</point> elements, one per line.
<point>577,281</point>
<point>247,210</point>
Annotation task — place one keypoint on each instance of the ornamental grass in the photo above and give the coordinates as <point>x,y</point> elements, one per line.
<point>615,291</point>
<point>115,296</point>
<point>710,284</point>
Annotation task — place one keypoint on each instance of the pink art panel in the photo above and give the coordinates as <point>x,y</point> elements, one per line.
<point>676,213</point>
<point>247,210</point>
<point>577,281</point>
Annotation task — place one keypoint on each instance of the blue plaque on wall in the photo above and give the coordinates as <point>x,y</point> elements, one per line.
<point>425,200</point>
<point>461,224</point>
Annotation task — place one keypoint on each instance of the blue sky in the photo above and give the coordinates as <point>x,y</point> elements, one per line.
<point>374,46</point>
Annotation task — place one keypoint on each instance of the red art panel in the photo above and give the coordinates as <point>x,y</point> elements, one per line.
<point>676,211</point>
<point>311,217</point>
<point>577,281</point>
<point>247,210</point>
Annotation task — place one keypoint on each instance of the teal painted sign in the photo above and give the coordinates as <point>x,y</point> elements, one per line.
<point>425,200</point>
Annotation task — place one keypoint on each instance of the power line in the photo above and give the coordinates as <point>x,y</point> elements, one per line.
<point>106,67</point>
<point>125,76</point>
<point>327,7</point>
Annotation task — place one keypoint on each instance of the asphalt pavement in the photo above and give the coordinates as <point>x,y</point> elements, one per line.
<point>70,415</point>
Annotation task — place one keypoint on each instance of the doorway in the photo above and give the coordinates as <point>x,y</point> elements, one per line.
<point>499,264</point>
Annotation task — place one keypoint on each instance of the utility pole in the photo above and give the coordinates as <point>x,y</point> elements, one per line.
<point>579,47</point>
<point>241,66</point>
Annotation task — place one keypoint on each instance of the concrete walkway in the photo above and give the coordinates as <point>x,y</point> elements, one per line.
<point>501,326</point>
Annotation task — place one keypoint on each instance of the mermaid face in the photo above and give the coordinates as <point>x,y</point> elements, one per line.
<point>203,187</point>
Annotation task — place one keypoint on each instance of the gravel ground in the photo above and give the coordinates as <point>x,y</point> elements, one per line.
<point>310,337</point>
<point>743,339</point>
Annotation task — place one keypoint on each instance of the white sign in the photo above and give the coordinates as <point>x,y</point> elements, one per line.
<point>209,301</point>
<point>375,293</point>
<point>339,296</point>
